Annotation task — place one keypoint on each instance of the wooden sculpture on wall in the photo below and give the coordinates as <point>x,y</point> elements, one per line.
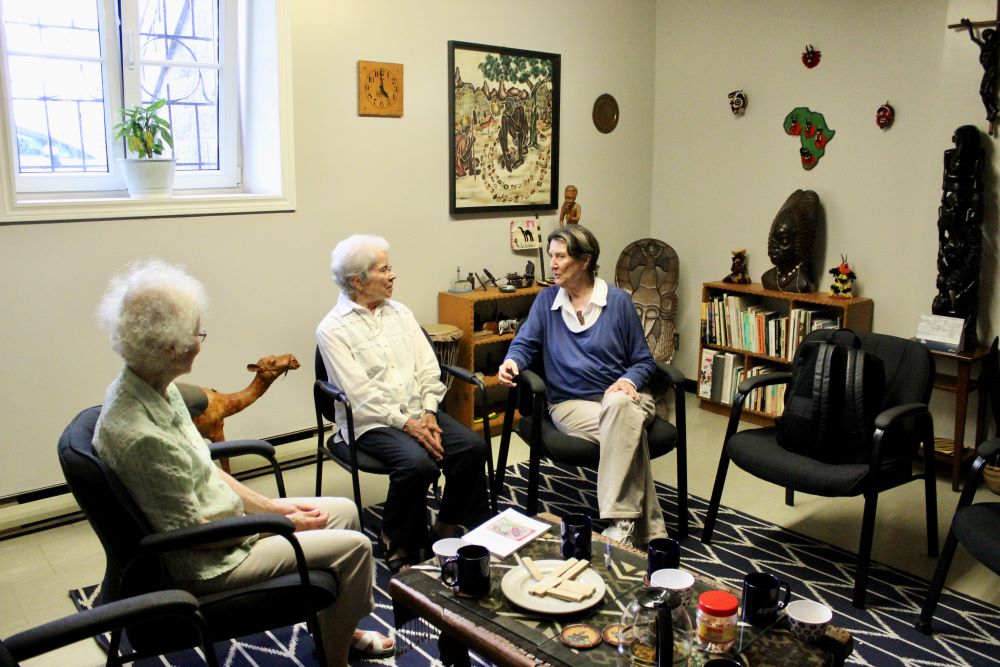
<point>960,236</point>
<point>209,408</point>
<point>647,269</point>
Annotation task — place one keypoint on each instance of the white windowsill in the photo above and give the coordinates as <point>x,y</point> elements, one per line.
<point>119,205</point>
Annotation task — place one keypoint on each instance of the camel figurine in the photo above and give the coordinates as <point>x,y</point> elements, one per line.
<point>209,407</point>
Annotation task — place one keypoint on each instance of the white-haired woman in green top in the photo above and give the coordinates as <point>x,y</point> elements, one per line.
<point>153,313</point>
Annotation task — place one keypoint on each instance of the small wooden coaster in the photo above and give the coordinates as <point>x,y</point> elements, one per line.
<point>612,634</point>
<point>580,635</point>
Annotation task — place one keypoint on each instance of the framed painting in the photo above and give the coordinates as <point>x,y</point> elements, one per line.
<point>503,128</point>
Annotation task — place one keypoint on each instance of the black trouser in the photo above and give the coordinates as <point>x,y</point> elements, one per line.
<point>405,517</point>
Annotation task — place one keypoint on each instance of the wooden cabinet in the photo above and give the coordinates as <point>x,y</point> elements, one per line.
<point>478,351</point>
<point>760,329</point>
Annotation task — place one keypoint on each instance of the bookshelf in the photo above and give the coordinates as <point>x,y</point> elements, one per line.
<point>749,329</point>
<point>480,351</point>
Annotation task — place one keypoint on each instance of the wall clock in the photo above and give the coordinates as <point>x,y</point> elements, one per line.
<point>380,89</point>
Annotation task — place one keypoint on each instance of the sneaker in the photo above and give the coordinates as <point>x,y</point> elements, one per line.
<point>620,531</point>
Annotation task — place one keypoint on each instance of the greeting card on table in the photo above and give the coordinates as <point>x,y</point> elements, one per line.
<point>506,532</point>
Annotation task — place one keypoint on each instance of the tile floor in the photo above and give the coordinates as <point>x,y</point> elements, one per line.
<point>36,570</point>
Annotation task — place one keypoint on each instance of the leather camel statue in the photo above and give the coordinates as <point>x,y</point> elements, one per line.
<point>209,407</point>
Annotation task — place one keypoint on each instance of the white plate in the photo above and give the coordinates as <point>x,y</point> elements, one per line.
<point>517,581</point>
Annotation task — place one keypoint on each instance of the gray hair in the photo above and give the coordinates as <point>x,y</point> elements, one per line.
<point>353,257</point>
<point>580,242</point>
<point>150,308</point>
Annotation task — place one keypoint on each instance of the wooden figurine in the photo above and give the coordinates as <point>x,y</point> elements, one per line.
<point>739,274</point>
<point>843,279</point>
<point>569,214</point>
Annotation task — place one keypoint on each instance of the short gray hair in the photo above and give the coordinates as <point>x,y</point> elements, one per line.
<point>353,257</point>
<point>580,242</point>
<point>150,308</point>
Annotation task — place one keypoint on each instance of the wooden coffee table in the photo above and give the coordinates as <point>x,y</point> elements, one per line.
<point>505,634</point>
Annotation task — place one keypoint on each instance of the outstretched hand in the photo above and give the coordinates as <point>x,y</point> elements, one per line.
<point>507,372</point>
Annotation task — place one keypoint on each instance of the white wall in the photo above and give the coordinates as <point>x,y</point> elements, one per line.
<point>267,275</point>
<point>719,180</point>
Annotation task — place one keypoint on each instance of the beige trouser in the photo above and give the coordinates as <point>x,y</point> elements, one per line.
<point>625,487</point>
<point>339,549</point>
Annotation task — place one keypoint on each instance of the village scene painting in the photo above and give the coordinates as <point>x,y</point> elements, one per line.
<point>504,107</point>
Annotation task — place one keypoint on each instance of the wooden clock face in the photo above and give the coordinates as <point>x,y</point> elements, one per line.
<point>380,89</point>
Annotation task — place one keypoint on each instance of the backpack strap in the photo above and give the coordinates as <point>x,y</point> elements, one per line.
<point>854,398</point>
<point>821,386</point>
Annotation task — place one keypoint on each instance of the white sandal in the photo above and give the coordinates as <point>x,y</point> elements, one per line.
<point>372,645</point>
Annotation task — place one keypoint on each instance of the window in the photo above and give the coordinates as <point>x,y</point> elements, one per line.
<point>70,66</point>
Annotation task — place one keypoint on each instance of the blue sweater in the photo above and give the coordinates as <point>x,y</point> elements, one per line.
<point>582,365</point>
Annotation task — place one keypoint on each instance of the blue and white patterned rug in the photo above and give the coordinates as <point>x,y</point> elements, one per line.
<point>967,631</point>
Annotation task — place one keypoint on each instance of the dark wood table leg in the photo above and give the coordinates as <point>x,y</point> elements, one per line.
<point>453,652</point>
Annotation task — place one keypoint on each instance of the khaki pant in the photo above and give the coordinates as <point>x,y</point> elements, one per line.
<point>339,549</point>
<point>625,487</point>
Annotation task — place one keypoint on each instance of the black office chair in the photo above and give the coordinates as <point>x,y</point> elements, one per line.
<point>902,425</point>
<point>346,454</point>
<point>545,440</point>
<point>974,526</point>
<point>132,551</point>
<point>170,606</point>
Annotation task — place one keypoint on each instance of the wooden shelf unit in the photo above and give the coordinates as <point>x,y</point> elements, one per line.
<point>461,310</point>
<point>855,313</point>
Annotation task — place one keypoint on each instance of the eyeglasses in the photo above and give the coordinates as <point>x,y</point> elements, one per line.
<point>202,335</point>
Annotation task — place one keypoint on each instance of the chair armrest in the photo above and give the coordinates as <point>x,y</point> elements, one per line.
<point>886,418</point>
<point>229,448</point>
<point>332,390</point>
<point>103,618</point>
<point>763,380</point>
<point>462,374</point>
<point>536,385</point>
<point>989,448</point>
<point>223,529</point>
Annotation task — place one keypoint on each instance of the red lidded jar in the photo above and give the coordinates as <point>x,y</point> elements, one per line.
<point>716,620</point>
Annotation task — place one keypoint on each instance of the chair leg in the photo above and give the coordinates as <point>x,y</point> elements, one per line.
<point>865,549</point>
<point>356,483</point>
<point>319,473</point>
<point>930,492</point>
<point>713,505</point>
<point>682,494</point>
<point>312,624</point>
<point>937,584</point>
<point>533,464</point>
<point>790,496</point>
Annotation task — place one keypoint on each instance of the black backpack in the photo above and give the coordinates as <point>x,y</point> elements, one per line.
<point>835,393</point>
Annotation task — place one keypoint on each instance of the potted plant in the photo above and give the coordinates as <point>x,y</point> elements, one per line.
<point>145,134</point>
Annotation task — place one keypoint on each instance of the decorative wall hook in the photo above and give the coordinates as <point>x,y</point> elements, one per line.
<point>884,116</point>
<point>810,57</point>
<point>738,102</point>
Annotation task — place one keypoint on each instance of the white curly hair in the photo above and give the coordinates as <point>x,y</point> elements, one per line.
<point>149,308</point>
<point>353,257</point>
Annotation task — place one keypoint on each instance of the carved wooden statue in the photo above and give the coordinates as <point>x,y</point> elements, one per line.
<point>209,408</point>
<point>790,244</point>
<point>647,269</point>
<point>960,237</point>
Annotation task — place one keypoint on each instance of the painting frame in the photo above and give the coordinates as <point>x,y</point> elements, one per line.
<point>503,129</point>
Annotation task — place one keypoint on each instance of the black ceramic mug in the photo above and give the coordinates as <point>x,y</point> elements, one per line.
<point>662,553</point>
<point>468,573</point>
<point>762,598</point>
<point>576,532</point>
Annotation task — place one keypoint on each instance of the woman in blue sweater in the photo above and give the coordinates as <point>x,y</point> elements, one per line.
<point>596,363</point>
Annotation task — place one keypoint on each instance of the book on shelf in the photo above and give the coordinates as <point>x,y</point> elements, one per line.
<point>705,373</point>
<point>718,372</point>
<point>729,372</point>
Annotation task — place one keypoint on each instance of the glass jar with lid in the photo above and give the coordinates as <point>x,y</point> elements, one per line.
<point>716,620</point>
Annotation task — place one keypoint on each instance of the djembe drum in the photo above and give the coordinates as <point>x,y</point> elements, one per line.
<point>445,339</point>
